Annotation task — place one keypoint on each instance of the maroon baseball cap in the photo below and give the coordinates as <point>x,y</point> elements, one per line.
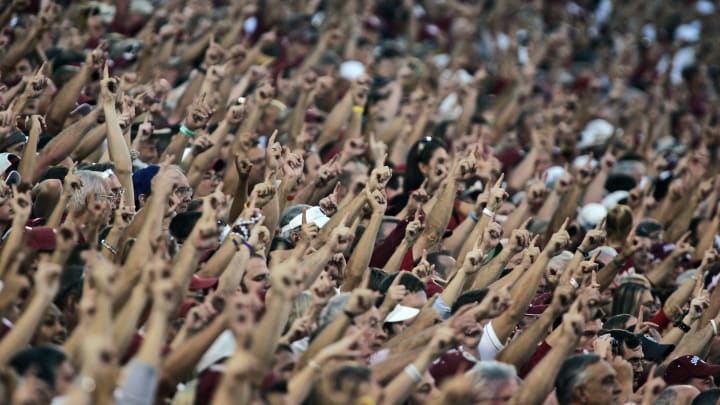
<point>197,283</point>
<point>684,368</point>
<point>536,309</point>
<point>41,239</point>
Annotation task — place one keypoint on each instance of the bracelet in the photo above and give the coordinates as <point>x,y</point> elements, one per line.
<point>201,70</point>
<point>487,212</point>
<point>186,131</point>
<point>86,384</point>
<point>358,109</point>
<point>474,217</point>
<point>249,247</point>
<point>682,326</point>
<point>313,365</point>
<point>107,246</point>
<point>714,326</point>
<point>582,252</point>
<point>574,283</point>
<point>413,372</point>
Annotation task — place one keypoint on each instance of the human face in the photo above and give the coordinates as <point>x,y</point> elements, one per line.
<point>703,384</point>
<point>52,329</point>
<point>184,191</point>
<point>437,168</point>
<point>635,358</point>
<point>587,340</point>
<point>500,396</point>
<point>600,387</point>
<point>257,277</point>
<point>373,332</point>
<point>64,376</point>
<point>424,391</point>
<point>147,152</point>
<point>116,189</point>
<point>208,183</point>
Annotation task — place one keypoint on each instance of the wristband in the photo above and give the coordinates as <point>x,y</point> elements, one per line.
<point>107,246</point>
<point>682,326</point>
<point>201,70</point>
<point>714,326</point>
<point>358,109</point>
<point>582,252</point>
<point>186,131</point>
<point>413,372</point>
<point>474,217</point>
<point>487,212</point>
<point>574,283</point>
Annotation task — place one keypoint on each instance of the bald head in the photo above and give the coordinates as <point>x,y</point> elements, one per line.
<point>678,395</point>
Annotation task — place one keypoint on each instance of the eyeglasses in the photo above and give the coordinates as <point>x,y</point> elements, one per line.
<point>590,333</point>
<point>106,197</point>
<point>183,192</point>
<point>210,176</point>
<point>118,192</point>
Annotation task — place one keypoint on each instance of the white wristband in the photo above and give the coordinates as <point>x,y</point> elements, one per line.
<point>487,212</point>
<point>714,326</point>
<point>574,283</point>
<point>413,372</point>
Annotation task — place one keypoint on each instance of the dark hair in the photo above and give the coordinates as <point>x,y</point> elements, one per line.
<point>568,377</point>
<point>469,297</point>
<point>377,277</point>
<point>97,167</point>
<point>409,280</point>
<point>709,397</point>
<point>420,152</point>
<point>617,321</point>
<point>42,360</point>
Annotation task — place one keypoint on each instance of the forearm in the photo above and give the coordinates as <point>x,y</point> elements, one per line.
<point>27,163</point>
<point>191,91</point>
<point>540,382</point>
<point>62,145</point>
<point>90,143</point>
<point>315,264</point>
<point>201,163</point>
<point>438,218</point>
<point>64,101</point>
<point>692,343</point>
<point>119,152</point>
<point>395,262</point>
<point>455,287</point>
<point>349,211</point>
<point>517,217</point>
<point>401,386</point>
<point>548,208</point>
<point>176,148</point>
<point>220,260</point>
<point>154,338</point>
<point>239,200</point>
<point>126,320</point>
<point>13,242</point>
<point>179,363</point>
<point>230,279</point>
<point>566,209</point>
<point>510,279</point>
<point>492,270</point>
<point>19,49</point>
<point>679,297</point>
<point>475,237</point>
<point>707,240</point>
<point>360,258</point>
<point>58,211</point>
<point>519,351</point>
<point>418,128</point>
<point>20,335</point>
<point>459,236</point>
<point>268,331</point>
<point>298,117</point>
<point>661,272</point>
<point>335,120</point>
<point>681,223</point>
<point>333,332</point>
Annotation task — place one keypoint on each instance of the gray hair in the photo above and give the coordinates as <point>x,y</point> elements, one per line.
<point>571,375</point>
<point>606,253</point>
<point>288,215</point>
<point>667,397</point>
<point>333,308</point>
<point>561,260</point>
<point>491,376</point>
<point>92,183</point>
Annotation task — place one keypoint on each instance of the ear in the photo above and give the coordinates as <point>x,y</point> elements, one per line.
<point>423,168</point>
<point>141,200</point>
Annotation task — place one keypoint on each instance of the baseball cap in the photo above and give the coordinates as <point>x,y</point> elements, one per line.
<point>686,367</point>
<point>653,350</point>
<point>314,215</point>
<point>591,214</point>
<point>595,133</point>
<point>197,283</point>
<point>142,180</point>
<point>41,239</point>
<point>401,313</point>
<point>536,309</point>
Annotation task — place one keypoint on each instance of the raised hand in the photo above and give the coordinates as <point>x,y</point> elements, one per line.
<point>198,114</point>
<point>361,300</point>
<point>559,240</point>
<point>414,229</point>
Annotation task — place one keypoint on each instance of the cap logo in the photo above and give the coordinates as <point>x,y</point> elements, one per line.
<point>694,360</point>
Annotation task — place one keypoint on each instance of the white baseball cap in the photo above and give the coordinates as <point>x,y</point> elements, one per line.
<point>401,313</point>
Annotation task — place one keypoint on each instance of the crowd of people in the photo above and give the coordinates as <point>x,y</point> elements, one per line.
<point>359,202</point>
